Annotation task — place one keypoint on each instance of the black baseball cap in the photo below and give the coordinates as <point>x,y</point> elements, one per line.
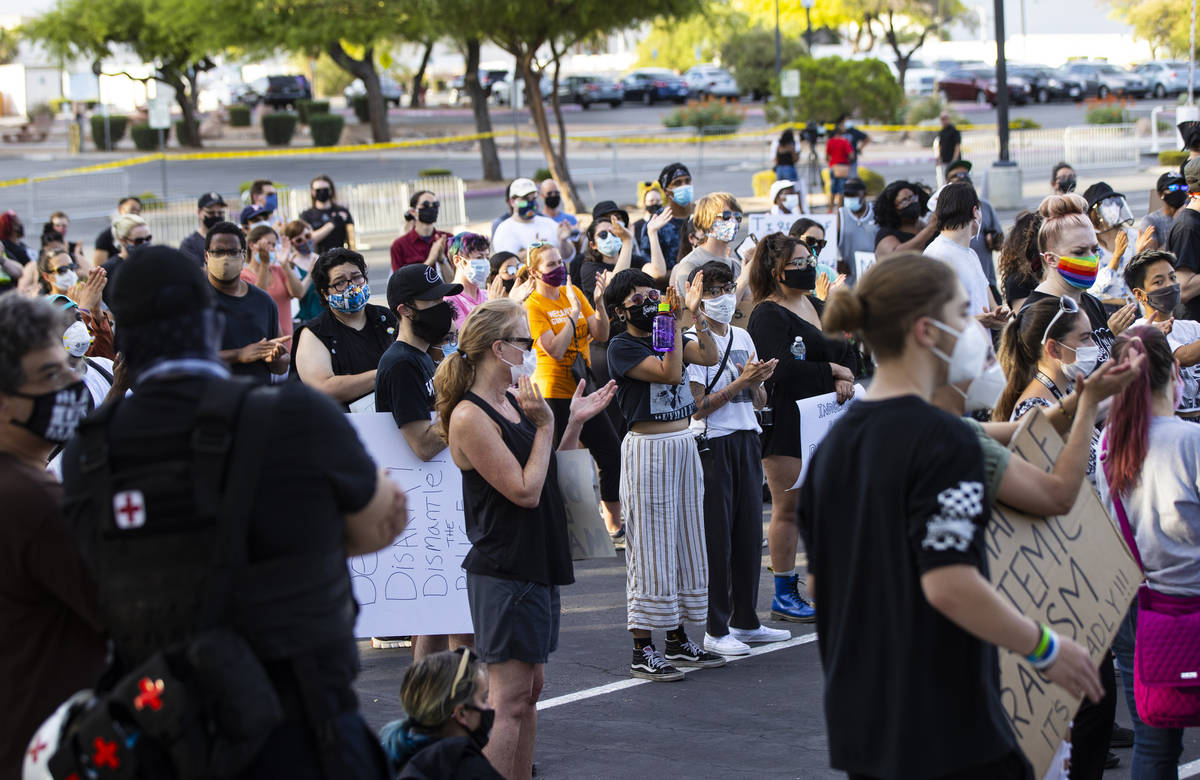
<point>158,282</point>
<point>960,163</point>
<point>607,207</point>
<point>210,199</point>
<point>853,184</point>
<point>418,282</point>
<point>1098,192</point>
<point>1169,178</point>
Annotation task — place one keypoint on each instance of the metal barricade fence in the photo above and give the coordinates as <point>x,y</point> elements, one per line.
<point>82,196</point>
<point>1081,146</point>
<point>379,206</point>
<point>1101,145</point>
<point>173,220</point>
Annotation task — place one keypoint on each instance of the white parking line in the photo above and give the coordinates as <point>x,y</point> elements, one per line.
<point>620,685</point>
<point>1190,769</point>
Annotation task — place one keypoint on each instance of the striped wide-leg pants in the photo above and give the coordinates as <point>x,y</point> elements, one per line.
<point>666,561</point>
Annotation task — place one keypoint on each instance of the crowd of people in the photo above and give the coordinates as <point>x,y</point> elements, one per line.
<point>677,362</point>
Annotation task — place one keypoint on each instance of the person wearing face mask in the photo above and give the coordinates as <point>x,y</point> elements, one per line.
<point>338,351</point>
<point>650,197</point>
<point>1062,179</point>
<point>1112,219</point>
<point>676,181</point>
<point>903,564</point>
<point>12,231</point>
<point>505,266</point>
<point>130,232</point>
<point>898,212</point>
<point>469,256</point>
<point>727,435</point>
<point>564,326</point>
<point>1070,263</point>
<point>718,216</point>
<point>662,488</point>
<point>54,642</point>
<point>959,216</point>
<point>1152,279</point>
<point>1155,228</point>
<point>275,274</point>
<point>502,439</point>
<point>332,223</point>
<point>610,249</point>
<point>856,227</point>
<point>1184,243</point>
<point>300,248</point>
<point>105,246</point>
<point>59,281</point>
<point>812,233</point>
<point>210,209</point>
<point>783,276</point>
<point>262,205</point>
<point>552,204</point>
<point>784,198</point>
<point>424,243</point>
<point>448,723</point>
<point>526,226</point>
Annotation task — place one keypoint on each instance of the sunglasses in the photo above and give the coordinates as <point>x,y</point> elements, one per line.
<point>1175,188</point>
<point>816,245</point>
<point>637,299</point>
<point>67,267</point>
<point>1066,305</point>
<point>519,341</point>
<point>539,244</point>
<point>141,240</point>
<point>730,215</point>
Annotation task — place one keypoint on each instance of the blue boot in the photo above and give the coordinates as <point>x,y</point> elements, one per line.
<point>788,603</point>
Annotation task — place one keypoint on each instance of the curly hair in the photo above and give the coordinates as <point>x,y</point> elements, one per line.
<point>327,261</point>
<point>1019,256</point>
<point>886,214</point>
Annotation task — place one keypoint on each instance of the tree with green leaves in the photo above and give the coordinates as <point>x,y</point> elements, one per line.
<point>832,86</point>
<point>905,25</point>
<point>750,56</point>
<point>178,40</point>
<point>1161,23</point>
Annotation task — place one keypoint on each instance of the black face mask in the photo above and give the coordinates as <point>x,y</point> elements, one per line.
<point>432,324</point>
<point>428,214</point>
<point>56,414</point>
<point>321,194</point>
<point>800,278</point>
<point>508,284</point>
<point>1164,299</point>
<point>18,231</point>
<point>910,212</point>
<point>1175,199</point>
<point>211,220</point>
<point>553,200</point>
<point>1066,185</point>
<point>653,209</point>
<point>480,734</point>
<point>642,317</point>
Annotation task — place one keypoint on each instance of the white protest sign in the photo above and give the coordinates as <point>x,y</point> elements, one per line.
<point>817,416</point>
<point>1073,573</point>
<point>160,113</point>
<point>862,263</point>
<point>764,224</point>
<point>581,499</point>
<point>417,584</point>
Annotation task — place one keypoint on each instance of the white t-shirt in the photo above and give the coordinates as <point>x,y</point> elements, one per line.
<point>966,264</point>
<point>1184,332</point>
<point>738,414</point>
<point>513,235</point>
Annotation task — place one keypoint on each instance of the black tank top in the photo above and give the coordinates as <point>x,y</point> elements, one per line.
<point>509,541</point>
<point>352,351</point>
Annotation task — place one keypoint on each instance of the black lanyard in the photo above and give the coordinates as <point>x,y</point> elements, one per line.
<point>1048,383</point>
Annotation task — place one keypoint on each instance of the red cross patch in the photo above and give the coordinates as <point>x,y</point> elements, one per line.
<point>37,748</point>
<point>106,754</point>
<point>129,509</point>
<point>150,696</point>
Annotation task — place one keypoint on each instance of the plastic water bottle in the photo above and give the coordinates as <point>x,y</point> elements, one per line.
<point>798,349</point>
<point>664,329</point>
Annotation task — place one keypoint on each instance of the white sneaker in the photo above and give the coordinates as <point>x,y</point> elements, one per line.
<point>725,645</point>
<point>760,634</point>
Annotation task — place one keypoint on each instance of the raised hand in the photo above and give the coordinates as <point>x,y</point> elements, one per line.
<point>822,288</point>
<point>757,373</point>
<point>620,231</point>
<point>1110,378</point>
<point>994,319</point>
<point>584,408</point>
<point>695,293</point>
<point>1120,244</point>
<point>601,286</point>
<point>89,293</point>
<point>573,299</point>
<point>496,289</point>
<point>1143,240</point>
<point>1122,318</point>
<point>658,221</point>
<point>533,404</point>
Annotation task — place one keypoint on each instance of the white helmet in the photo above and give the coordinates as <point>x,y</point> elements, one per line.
<point>46,739</point>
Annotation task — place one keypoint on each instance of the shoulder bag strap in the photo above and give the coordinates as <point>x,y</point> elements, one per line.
<point>720,369</point>
<point>1122,518</point>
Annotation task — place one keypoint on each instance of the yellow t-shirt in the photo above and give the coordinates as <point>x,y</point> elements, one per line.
<point>553,377</point>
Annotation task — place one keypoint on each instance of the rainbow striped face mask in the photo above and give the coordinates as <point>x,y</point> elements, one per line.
<point>1080,272</point>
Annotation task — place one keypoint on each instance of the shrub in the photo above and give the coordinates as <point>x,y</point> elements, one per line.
<point>750,57</point>
<point>1107,115</point>
<point>1172,157</point>
<point>541,174</point>
<point>239,115</point>
<point>928,108</point>
<point>278,128</point>
<point>1023,123</point>
<point>709,117</point>
<point>145,137</point>
<point>116,130</point>
<point>431,172</point>
<point>182,134</point>
<point>359,104</point>
<point>873,181</point>
<point>308,108</point>
<point>832,86</point>
<point>326,128</point>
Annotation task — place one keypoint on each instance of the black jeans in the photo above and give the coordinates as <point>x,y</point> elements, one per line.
<point>1093,728</point>
<point>600,439</point>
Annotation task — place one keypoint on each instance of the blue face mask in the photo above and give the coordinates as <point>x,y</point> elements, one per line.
<point>272,201</point>
<point>609,245</point>
<point>854,204</point>
<point>351,299</point>
<point>682,194</point>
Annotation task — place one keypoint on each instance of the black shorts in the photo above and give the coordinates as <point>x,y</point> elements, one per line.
<point>514,620</point>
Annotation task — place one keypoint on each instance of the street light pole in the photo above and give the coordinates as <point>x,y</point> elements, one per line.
<point>1002,82</point>
<point>808,32</point>
<point>778,45</point>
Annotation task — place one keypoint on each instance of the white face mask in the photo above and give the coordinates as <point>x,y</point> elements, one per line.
<point>720,308</point>
<point>970,353</point>
<point>985,389</point>
<point>1086,359</point>
<point>77,339</point>
<point>525,368</point>
<point>66,279</point>
<point>791,202</point>
<point>478,271</point>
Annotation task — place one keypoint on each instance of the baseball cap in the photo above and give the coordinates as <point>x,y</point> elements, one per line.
<point>1169,178</point>
<point>1191,173</point>
<point>210,199</point>
<point>158,282</point>
<point>521,187</point>
<point>418,282</point>
<point>853,184</point>
<point>1098,192</point>
<point>606,207</point>
<point>253,212</point>
<point>959,164</point>
<point>778,187</point>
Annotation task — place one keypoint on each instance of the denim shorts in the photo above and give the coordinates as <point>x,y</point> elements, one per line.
<point>514,620</point>
<point>836,184</point>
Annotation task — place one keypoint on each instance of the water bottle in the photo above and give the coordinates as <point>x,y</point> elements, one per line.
<point>664,329</point>
<point>798,349</point>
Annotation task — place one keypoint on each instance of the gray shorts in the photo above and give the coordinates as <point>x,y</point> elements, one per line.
<point>514,620</point>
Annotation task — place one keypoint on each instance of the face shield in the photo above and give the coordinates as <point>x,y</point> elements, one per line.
<point>1112,213</point>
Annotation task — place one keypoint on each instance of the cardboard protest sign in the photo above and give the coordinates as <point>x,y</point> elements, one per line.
<point>581,496</point>
<point>862,263</point>
<point>417,585</point>
<point>765,224</point>
<point>1074,573</point>
<point>817,416</point>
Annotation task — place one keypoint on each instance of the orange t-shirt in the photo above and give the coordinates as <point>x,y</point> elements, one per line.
<point>553,377</point>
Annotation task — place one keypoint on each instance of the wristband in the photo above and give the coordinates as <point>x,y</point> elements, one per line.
<point>1046,652</point>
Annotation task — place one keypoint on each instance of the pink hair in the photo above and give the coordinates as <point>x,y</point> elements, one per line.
<point>7,222</point>
<point>1127,433</point>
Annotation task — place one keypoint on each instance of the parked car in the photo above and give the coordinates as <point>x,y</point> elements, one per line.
<point>706,80</point>
<point>393,92</point>
<point>653,84</point>
<point>501,89</point>
<point>249,94</point>
<point>979,84</point>
<point>284,91</point>
<point>1047,84</point>
<point>1103,79</point>
<point>1163,78</point>
<point>587,90</point>
<point>919,78</point>
<point>487,77</point>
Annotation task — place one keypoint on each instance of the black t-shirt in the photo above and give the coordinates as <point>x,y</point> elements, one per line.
<point>314,472</point>
<point>318,217</point>
<point>948,139</point>
<point>1018,286</point>
<point>1184,241</point>
<point>856,138</point>
<point>248,319</point>
<point>106,242</point>
<point>903,236</point>
<point>404,384</point>
<point>17,251</point>
<point>193,247</point>
<point>907,692</point>
<point>645,400</point>
<point>1097,318</point>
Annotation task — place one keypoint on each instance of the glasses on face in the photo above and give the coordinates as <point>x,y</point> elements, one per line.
<point>233,254</point>
<point>726,215</point>
<point>523,342</point>
<point>637,299</point>
<point>900,205</point>
<point>960,176</point>
<point>815,245</point>
<point>603,234</point>
<point>725,289</point>
<point>1066,304</point>
<point>341,284</point>
<point>141,240</point>
<point>65,267</point>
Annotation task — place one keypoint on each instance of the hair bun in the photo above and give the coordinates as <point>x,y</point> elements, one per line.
<point>1057,206</point>
<point>845,312</point>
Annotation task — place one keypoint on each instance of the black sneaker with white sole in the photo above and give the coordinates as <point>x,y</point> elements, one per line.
<point>649,664</point>
<point>688,653</point>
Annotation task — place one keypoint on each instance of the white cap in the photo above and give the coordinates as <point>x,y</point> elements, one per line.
<point>521,187</point>
<point>779,187</point>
